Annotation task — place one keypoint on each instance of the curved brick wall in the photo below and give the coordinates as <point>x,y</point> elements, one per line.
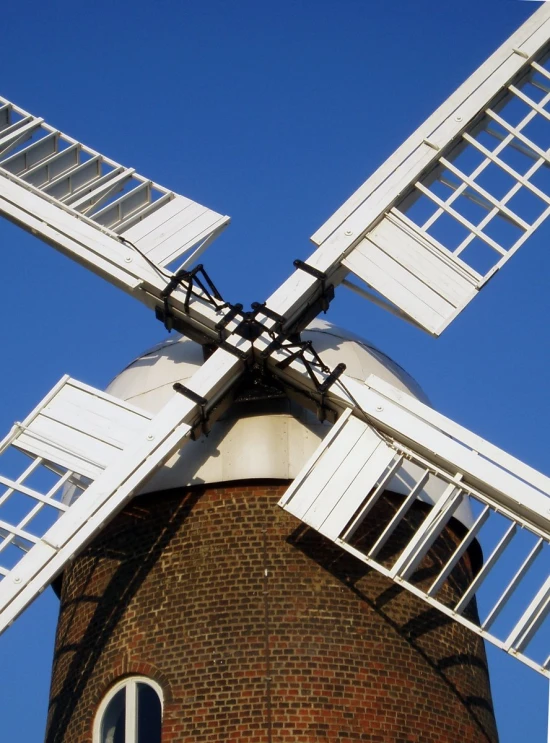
<point>319,649</point>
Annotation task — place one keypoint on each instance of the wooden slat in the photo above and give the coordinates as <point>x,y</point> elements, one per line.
<point>359,487</point>
<point>195,232</point>
<point>107,186</point>
<point>141,230</point>
<point>342,475</point>
<point>75,180</point>
<point>52,167</point>
<point>127,204</point>
<point>17,133</point>
<point>31,155</point>
<point>81,430</point>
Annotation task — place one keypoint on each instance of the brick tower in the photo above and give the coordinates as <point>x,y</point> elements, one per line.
<point>251,626</point>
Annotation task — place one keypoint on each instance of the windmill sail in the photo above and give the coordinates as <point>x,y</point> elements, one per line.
<point>452,205</point>
<point>409,471</point>
<point>103,215</point>
<point>87,441</point>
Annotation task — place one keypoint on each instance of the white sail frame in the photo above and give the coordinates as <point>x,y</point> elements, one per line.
<point>401,264</point>
<point>442,464</point>
<point>140,452</point>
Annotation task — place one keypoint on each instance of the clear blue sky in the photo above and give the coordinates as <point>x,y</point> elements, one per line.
<point>272,112</point>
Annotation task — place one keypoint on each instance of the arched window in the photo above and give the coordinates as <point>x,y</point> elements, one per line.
<point>130,713</point>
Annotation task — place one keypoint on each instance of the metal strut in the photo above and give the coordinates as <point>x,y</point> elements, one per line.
<point>250,327</point>
<point>202,402</point>
<point>197,277</point>
<point>299,350</point>
<point>320,304</point>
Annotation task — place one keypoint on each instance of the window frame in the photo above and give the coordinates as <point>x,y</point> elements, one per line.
<point>129,683</point>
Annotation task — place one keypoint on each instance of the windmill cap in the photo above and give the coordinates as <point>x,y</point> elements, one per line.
<point>263,435</point>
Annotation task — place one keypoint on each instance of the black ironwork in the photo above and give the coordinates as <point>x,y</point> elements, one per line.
<point>197,278</point>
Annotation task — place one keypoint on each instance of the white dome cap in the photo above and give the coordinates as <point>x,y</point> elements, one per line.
<point>257,438</point>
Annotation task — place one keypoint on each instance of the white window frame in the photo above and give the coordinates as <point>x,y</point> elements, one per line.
<point>129,683</point>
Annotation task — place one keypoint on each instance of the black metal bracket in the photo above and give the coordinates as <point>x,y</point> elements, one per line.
<point>320,304</point>
<point>196,278</point>
<point>304,351</point>
<point>311,270</point>
<point>260,308</point>
<point>193,396</point>
<point>202,402</point>
<point>234,310</point>
<point>250,327</point>
<point>242,355</point>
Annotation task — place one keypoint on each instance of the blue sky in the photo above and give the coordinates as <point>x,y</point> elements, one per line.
<point>272,112</point>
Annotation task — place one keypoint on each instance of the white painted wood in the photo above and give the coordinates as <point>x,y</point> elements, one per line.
<point>311,462</point>
<point>159,223</point>
<point>5,111</point>
<point>186,223</point>
<point>204,228</point>
<point>413,271</point>
<point>453,430</point>
<point>83,195</point>
<point>460,551</point>
<point>372,470</point>
<point>57,188</point>
<point>74,180</point>
<point>13,485</point>
<point>399,514</point>
<point>52,167</point>
<point>431,528</point>
<point>453,115</point>
<point>439,457</point>
<point>338,475</point>
<point>142,455</point>
<point>131,713</point>
<point>80,429</point>
<point>531,620</point>
<point>18,133</point>
<point>127,204</point>
<point>383,484</point>
<point>141,214</point>
<point>106,187</point>
<point>31,155</point>
<point>343,236</point>
<point>511,483</point>
<point>170,228</point>
<point>338,447</point>
<point>514,583</point>
<point>493,157</point>
<point>130,685</point>
<point>101,251</point>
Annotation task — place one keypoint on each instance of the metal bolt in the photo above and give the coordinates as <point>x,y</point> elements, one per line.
<point>128,259</point>
<point>348,232</point>
<point>150,437</point>
<point>16,579</point>
<point>458,118</point>
<point>379,408</point>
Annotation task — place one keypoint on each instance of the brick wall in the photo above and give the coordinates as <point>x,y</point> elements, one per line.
<point>318,649</point>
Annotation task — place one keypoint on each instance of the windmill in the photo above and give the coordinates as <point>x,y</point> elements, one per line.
<point>306,277</point>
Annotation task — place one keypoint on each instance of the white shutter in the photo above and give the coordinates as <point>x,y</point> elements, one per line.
<point>451,206</point>
<point>452,212</point>
<point>346,467</point>
<point>105,216</point>
<point>410,457</point>
<point>79,428</point>
<point>84,439</point>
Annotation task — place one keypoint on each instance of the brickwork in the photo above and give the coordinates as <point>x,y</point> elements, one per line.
<point>259,630</point>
